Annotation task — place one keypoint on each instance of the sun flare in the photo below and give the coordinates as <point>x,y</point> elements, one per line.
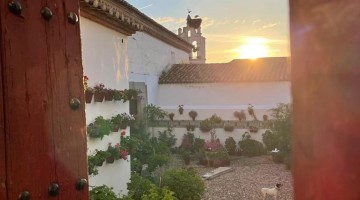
<point>254,47</point>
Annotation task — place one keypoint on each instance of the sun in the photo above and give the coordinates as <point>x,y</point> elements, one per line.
<point>254,47</point>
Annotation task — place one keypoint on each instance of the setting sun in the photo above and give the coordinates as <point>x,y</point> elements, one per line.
<point>253,48</point>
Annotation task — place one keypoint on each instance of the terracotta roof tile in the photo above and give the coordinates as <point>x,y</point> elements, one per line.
<point>241,70</point>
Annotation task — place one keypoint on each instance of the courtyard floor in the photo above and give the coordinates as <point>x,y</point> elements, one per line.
<point>247,179</point>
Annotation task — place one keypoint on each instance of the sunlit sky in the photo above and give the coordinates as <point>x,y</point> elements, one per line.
<point>233,28</point>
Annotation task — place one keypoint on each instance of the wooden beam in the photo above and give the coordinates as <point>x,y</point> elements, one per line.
<point>325,48</point>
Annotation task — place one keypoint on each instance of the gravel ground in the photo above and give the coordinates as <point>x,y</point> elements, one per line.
<point>247,179</point>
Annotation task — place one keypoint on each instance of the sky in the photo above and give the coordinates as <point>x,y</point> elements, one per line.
<point>233,28</point>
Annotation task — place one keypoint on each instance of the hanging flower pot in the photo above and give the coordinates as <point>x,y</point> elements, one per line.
<point>123,125</point>
<point>116,128</point>
<point>109,95</point>
<point>110,159</point>
<point>88,96</point>
<point>181,109</point>
<point>99,96</point>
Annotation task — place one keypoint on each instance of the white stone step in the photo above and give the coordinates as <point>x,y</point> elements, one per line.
<point>217,172</point>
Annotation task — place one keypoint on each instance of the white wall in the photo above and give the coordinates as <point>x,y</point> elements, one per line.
<point>104,54</point>
<point>222,99</point>
<point>220,133</point>
<point>148,57</point>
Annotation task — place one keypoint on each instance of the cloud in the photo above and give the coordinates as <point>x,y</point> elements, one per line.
<point>236,21</point>
<point>270,25</point>
<point>163,20</point>
<point>181,21</point>
<point>256,21</point>
<point>207,22</point>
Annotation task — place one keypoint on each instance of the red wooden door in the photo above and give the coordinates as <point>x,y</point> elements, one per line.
<point>42,139</point>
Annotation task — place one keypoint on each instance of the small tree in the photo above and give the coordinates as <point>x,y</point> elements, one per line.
<point>230,145</point>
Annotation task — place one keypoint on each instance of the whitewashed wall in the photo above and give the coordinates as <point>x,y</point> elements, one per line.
<point>222,99</point>
<point>148,57</point>
<point>104,54</point>
<point>220,133</point>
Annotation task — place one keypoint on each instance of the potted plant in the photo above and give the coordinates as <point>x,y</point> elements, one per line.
<point>113,153</point>
<point>120,95</point>
<point>181,109</point>
<point>109,94</point>
<point>193,114</point>
<point>171,116</point>
<point>99,128</point>
<point>205,126</point>
<point>265,118</point>
<point>122,120</point>
<point>185,154</point>
<point>253,129</point>
<point>89,92</point>
<point>229,127</point>
<point>240,115</point>
<point>99,93</point>
<point>132,93</point>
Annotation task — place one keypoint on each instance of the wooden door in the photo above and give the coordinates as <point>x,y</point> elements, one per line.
<point>42,138</point>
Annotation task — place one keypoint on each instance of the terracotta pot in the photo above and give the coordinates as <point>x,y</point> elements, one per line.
<point>88,96</point>
<point>110,159</point>
<point>123,126</point>
<point>99,96</point>
<point>116,128</point>
<point>109,95</point>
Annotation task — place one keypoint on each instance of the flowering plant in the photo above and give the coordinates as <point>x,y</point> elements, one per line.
<point>181,109</point>
<point>122,118</point>
<point>99,87</point>
<point>212,145</point>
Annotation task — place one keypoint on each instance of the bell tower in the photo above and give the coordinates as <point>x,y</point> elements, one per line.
<point>192,34</point>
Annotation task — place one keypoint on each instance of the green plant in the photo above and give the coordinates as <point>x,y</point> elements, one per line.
<point>120,95</point>
<point>230,145</point>
<point>215,119</point>
<point>167,138</point>
<point>270,140</point>
<point>99,128</point>
<point>186,183</point>
<point>253,129</point>
<point>96,160</point>
<point>186,155</point>
<point>138,186</point>
<point>132,93</point>
<point>265,118</point>
<point>206,125</point>
<point>240,115</point>
<point>114,150</point>
<point>181,109</point>
<point>229,127</point>
<point>158,194</point>
<point>187,141</point>
<point>157,160</point>
<point>193,114</point>
<point>251,147</point>
<point>122,119</point>
<point>282,126</point>
<point>153,112</point>
<point>198,144</point>
<point>171,116</point>
<point>103,193</point>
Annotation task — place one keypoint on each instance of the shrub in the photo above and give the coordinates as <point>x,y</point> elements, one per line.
<point>229,127</point>
<point>103,193</point>
<point>153,112</point>
<point>240,115</point>
<point>205,126</point>
<point>198,144</point>
<point>167,138</point>
<point>193,114</point>
<point>135,166</point>
<point>157,160</point>
<point>158,194</point>
<point>230,145</point>
<point>270,140</point>
<point>251,147</point>
<point>187,141</point>
<point>99,128</point>
<point>138,186</point>
<point>186,183</point>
